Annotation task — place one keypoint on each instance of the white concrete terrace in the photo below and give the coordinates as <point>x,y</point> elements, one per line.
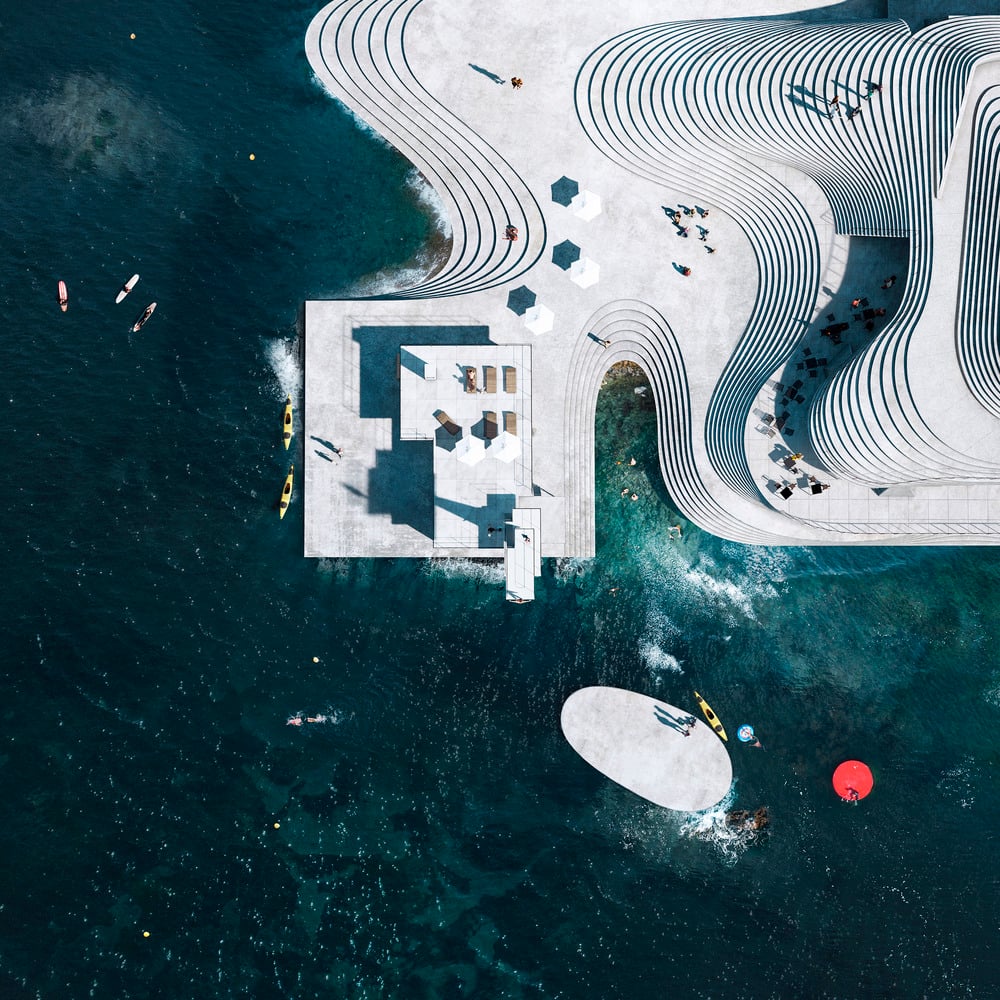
<point>731,116</point>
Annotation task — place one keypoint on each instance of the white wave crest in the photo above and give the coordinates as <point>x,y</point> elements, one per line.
<point>569,569</point>
<point>426,195</point>
<point>283,357</point>
<point>480,570</point>
<point>723,591</point>
<point>659,660</point>
<point>389,281</point>
<point>359,122</point>
<point>712,827</point>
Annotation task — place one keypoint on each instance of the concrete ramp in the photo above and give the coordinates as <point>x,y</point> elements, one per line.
<point>639,742</point>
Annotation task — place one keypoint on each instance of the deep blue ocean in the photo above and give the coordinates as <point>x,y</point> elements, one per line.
<point>435,836</point>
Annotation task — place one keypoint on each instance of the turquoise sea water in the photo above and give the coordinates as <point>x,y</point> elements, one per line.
<point>436,835</point>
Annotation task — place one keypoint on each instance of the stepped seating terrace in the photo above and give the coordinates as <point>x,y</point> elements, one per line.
<point>900,425</point>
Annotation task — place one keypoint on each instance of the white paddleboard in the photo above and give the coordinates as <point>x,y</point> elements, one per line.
<point>126,288</point>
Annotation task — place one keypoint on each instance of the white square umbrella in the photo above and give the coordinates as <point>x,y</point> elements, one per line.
<point>584,273</point>
<point>539,319</point>
<point>586,205</point>
<point>470,450</point>
<point>506,447</point>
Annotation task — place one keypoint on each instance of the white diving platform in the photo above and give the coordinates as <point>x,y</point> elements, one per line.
<point>638,742</point>
<point>522,556</point>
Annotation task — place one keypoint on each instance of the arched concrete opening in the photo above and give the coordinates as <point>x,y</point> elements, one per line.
<point>633,331</point>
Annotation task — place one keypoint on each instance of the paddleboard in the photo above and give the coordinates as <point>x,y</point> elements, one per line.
<point>126,288</point>
<point>639,742</point>
<point>141,321</point>
<point>63,296</point>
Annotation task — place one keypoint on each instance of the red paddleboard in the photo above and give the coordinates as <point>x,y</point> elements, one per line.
<point>63,296</point>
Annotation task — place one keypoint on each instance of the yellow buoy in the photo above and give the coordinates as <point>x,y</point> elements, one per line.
<point>145,933</point>
<point>252,156</point>
<point>277,826</point>
<point>315,659</point>
<point>132,36</point>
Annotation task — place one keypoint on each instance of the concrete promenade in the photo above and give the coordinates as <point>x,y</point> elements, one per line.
<point>772,429</point>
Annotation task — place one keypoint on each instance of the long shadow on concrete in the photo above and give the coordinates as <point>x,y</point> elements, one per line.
<point>402,485</point>
<point>402,482</point>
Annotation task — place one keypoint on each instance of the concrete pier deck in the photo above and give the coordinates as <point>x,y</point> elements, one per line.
<point>623,119</point>
<point>637,741</point>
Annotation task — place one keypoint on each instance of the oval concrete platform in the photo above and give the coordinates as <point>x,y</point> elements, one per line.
<point>637,742</point>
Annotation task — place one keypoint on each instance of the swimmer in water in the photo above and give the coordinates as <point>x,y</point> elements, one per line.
<point>295,720</point>
<point>315,718</point>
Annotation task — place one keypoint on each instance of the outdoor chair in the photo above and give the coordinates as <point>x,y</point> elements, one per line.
<point>510,422</point>
<point>490,378</point>
<point>446,422</point>
<point>489,425</point>
<point>509,378</point>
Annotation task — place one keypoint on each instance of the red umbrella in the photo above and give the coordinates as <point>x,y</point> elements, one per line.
<point>853,780</point>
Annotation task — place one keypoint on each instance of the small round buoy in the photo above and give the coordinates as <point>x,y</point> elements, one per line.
<point>853,780</point>
<point>145,933</point>
<point>132,36</point>
<point>315,659</point>
<point>277,826</point>
<point>253,156</point>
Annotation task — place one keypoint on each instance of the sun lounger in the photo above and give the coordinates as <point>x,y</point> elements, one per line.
<point>509,378</point>
<point>510,422</point>
<point>446,422</point>
<point>470,379</point>
<point>489,425</point>
<point>490,378</point>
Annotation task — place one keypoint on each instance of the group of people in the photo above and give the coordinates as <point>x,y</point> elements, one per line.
<point>626,490</point>
<point>676,215</point>
<point>833,105</point>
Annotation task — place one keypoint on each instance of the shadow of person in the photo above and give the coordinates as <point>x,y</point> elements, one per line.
<point>487,73</point>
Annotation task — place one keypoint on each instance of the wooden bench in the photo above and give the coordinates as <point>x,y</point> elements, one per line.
<point>489,425</point>
<point>509,378</point>
<point>446,422</point>
<point>490,378</point>
<point>470,379</point>
<point>510,422</point>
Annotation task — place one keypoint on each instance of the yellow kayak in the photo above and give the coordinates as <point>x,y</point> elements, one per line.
<point>713,719</point>
<point>286,429</point>
<point>286,493</point>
